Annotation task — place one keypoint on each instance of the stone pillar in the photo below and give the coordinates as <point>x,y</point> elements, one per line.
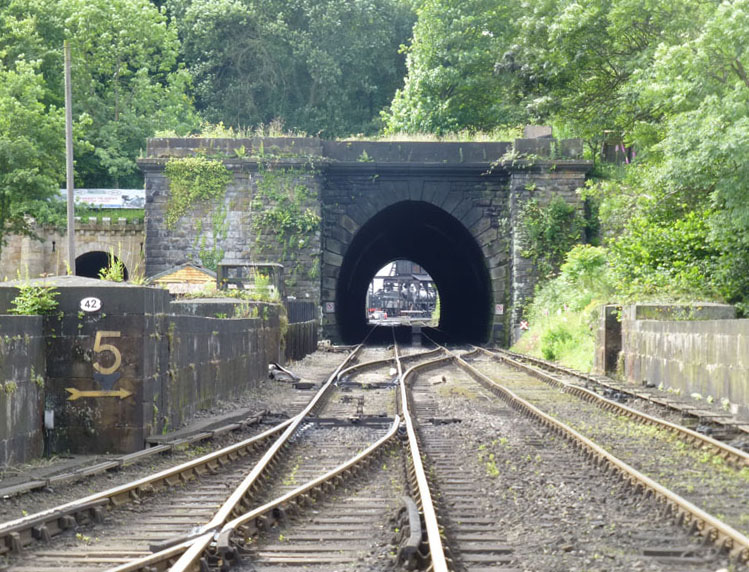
<point>102,365</point>
<point>541,179</point>
<point>608,340</point>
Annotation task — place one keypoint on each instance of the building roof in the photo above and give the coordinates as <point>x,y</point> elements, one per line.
<point>187,273</point>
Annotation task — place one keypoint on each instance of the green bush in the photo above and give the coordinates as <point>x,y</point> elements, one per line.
<point>34,299</point>
<point>548,232</point>
<point>563,312</point>
<point>553,341</point>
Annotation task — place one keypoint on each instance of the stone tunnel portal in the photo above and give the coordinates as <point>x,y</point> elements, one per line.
<point>91,263</point>
<point>436,240</point>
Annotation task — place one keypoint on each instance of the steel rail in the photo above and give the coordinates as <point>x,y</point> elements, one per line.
<point>126,460</point>
<point>707,525</point>
<point>601,381</point>
<point>233,502</point>
<point>434,538</point>
<point>383,362</point>
<point>16,534</point>
<point>280,505</point>
<point>735,456</point>
<point>232,507</point>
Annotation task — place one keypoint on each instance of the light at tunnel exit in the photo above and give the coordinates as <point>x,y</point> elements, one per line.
<point>436,241</point>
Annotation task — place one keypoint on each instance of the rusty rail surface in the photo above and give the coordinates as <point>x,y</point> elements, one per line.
<point>730,454</point>
<point>711,528</point>
<point>424,495</point>
<point>264,516</point>
<point>17,534</point>
<point>382,362</point>
<point>220,548</point>
<point>125,460</point>
<point>187,551</point>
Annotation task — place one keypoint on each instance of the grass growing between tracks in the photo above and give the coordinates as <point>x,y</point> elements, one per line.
<point>693,473</point>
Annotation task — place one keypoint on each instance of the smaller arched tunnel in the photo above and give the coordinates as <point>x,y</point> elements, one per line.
<point>433,238</point>
<point>91,263</point>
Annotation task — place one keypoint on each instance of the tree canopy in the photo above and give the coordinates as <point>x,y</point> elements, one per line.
<point>451,84</point>
<point>31,150</point>
<point>321,66</point>
<point>668,78</point>
<point>126,80</point>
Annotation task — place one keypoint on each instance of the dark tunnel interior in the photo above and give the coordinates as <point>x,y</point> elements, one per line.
<point>436,240</point>
<point>91,263</point>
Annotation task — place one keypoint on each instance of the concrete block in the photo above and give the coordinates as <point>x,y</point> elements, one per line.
<point>539,147</point>
<point>536,131</point>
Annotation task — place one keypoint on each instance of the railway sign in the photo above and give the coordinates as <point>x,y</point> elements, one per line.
<point>77,394</point>
<point>90,304</point>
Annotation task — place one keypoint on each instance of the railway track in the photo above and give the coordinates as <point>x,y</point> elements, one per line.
<point>340,403</point>
<point>693,466</point>
<point>22,533</point>
<point>135,515</point>
<point>713,422</point>
<point>725,529</point>
<point>400,461</point>
<point>351,526</point>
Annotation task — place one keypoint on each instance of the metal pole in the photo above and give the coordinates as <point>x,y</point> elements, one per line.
<point>69,162</point>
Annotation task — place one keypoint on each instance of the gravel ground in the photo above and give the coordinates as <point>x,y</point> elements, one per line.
<point>555,510</point>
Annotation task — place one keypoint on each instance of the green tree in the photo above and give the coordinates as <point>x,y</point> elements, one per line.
<point>323,67</point>
<point>700,162</point>
<point>31,146</point>
<point>451,83</point>
<point>576,63</point>
<point>127,83</point>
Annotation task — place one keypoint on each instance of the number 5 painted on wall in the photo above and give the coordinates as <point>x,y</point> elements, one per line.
<point>99,347</point>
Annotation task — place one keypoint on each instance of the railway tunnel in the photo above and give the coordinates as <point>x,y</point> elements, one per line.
<point>429,236</point>
<point>92,263</point>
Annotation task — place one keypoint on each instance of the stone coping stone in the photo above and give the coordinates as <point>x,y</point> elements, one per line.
<point>679,312</point>
<point>116,297</point>
<point>239,148</point>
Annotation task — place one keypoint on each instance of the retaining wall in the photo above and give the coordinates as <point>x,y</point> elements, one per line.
<point>137,366</point>
<point>21,389</point>
<point>696,349</point>
<point>213,359</point>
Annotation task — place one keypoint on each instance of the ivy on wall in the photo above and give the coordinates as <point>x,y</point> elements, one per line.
<point>548,232</point>
<point>191,180</point>
<point>194,180</point>
<point>281,207</point>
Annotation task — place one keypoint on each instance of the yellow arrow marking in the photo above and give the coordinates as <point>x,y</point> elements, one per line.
<point>77,394</point>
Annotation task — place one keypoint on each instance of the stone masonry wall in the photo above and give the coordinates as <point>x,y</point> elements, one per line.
<point>260,169</point>
<point>479,202</point>
<point>541,181</point>
<point>21,389</point>
<point>695,353</point>
<point>48,256</point>
<point>131,369</point>
<point>212,359</point>
<point>345,184</point>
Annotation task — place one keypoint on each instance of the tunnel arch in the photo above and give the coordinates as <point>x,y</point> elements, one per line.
<point>90,263</point>
<point>433,238</point>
